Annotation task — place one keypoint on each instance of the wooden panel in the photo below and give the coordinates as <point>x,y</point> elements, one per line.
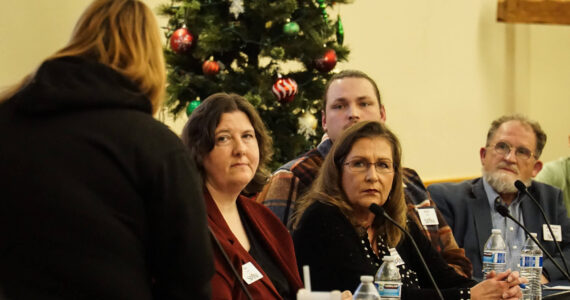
<point>456,179</point>
<point>534,11</point>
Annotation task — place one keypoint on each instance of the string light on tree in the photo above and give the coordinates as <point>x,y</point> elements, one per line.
<point>181,40</point>
<point>284,89</point>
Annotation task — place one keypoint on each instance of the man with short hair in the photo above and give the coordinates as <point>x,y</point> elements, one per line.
<point>350,97</point>
<point>511,153</point>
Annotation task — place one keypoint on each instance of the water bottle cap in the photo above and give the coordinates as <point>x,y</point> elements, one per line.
<point>366,278</point>
<point>495,230</point>
<point>388,258</point>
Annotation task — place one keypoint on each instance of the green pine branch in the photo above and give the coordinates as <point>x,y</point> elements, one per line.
<point>252,50</point>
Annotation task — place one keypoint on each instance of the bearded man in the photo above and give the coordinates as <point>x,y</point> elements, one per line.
<point>512,151</point>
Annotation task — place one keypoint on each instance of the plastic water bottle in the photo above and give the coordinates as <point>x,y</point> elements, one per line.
<point>531,268</point>
<point>388,279</point>
<point>494,253</point>
<point>366,290</point>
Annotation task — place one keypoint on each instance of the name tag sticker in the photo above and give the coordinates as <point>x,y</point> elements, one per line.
<point>249,273</point>
<point>556,229</point>
<point>397,259</point>
<point>428,216</point>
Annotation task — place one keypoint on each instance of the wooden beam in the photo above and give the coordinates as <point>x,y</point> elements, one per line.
<point>455,179</point>
<point>534,11</point>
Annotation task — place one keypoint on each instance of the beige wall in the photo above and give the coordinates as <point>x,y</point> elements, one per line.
<point>445,68</point>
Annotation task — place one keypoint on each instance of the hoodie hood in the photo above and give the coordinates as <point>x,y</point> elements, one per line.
<point>72,84</point>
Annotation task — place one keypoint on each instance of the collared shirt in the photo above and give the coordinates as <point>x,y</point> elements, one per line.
<point>513,235</point>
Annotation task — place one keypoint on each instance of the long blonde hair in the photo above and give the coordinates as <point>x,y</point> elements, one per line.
<point>327,187</point>
<point>124,35</point>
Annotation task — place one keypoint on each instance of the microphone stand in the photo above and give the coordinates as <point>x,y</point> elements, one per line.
<point>523,189</point>
<point>379,211</point>
<point>504,211</point>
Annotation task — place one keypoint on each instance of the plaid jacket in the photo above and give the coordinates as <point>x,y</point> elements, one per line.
<point>293,179</point>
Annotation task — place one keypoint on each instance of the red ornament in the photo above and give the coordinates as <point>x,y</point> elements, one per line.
<point>327,62</point>
<point>285,89</point>
<point>210,67</point>
<point>181,40</point>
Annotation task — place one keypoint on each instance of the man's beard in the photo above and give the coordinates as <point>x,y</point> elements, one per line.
<point>502,183</point>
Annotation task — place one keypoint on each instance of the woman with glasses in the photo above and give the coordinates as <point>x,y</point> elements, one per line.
<point>337,235</point>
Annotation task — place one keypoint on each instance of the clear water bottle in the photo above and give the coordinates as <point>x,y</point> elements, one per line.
<point>388,279</point>
<point>366,290</point>
<point>531,269</point>
<point>495,253</point>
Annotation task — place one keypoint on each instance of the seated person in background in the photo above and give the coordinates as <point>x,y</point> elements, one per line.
<point>337,235</point>
<point>98,199</point>
<point>557,173</point>
<point>511,153</point>
<point>231,147</point>
<point>350,97</point>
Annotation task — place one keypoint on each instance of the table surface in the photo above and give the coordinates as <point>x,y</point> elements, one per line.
<point>548,292</point>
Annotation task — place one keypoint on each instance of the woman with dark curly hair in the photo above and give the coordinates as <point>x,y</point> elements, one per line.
<point>231,148</point>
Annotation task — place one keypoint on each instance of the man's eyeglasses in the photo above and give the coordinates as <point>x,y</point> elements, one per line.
<point>362,165</point>
<point>504,149</point>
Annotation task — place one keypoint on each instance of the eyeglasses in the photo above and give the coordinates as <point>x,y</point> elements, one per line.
<point>504,149</point>
<point>362,165</point>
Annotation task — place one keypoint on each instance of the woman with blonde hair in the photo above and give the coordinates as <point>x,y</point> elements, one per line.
<point>337,235</point>
<point>99,200</point>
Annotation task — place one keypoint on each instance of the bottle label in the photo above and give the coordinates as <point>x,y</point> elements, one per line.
<point>389,289</point>
<point>531,261</point>
<point>495,257</point>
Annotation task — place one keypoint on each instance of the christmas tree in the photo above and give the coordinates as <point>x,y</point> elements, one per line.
<point>278,54</point>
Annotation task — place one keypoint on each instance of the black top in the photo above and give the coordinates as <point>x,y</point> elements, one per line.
<point>327,242</point>
<point>98,199</point>
<point>259,252</point>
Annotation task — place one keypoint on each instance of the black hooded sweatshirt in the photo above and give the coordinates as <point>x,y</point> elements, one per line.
<point>98,200</point>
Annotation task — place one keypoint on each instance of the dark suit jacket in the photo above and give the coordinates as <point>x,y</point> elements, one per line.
<point>466,209</point>
<point>276,238</point>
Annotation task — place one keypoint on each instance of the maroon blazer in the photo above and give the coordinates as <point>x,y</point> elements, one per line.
<point>271,231</point>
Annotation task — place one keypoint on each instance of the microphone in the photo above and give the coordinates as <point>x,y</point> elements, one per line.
<point>504,211</point>
<point>379,212</point>
<point>523,189</point>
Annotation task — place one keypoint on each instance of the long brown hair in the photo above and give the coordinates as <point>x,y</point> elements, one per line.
<point>199,133</point>
<point>124,35</point>
<point>327,187</point>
